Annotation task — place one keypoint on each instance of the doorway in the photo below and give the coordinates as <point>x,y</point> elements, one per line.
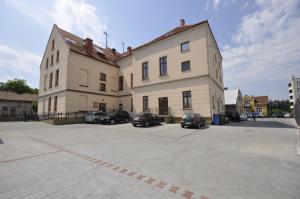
<point>163,106</point>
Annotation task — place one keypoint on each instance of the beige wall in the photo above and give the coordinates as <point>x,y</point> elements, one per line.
<point>61,66</point>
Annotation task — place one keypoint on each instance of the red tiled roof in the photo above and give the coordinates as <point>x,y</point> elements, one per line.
<point>108,56</point>
<point>166,35</point>
<point>263,100</point>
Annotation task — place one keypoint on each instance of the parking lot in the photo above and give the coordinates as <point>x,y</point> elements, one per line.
<point>239,160</point>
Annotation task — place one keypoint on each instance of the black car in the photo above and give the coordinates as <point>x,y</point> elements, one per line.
<point>192,120</point>
<point>145,119</point>
<point>115,117</point>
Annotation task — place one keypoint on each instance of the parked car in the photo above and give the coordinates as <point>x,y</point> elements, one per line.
<point>192,120</point>
<point>243,116</point>
<point>278,115</point>
<point>93,117</point>
<point>249,115</point>
<point>233,116</point>
<point>145,119</point>
<point>115,117</point>
<point>288,115</point>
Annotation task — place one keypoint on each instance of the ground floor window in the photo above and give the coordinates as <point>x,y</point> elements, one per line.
<point>121,107</point>
<point>95,104</point>
<point>131,104</point>
<point>49,104</point>
<point>55,103</point>
<point>187,99</point>
<point>102,107</point>
<point>145,103</point>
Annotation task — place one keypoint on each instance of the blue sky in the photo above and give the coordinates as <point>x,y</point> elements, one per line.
<point>259,39</point>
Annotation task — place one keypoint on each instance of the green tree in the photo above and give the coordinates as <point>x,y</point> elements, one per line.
<point>18,86</point>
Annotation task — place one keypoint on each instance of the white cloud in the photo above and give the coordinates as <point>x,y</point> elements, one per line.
<point>216,4</point>
<point>245,5</point>
<point>266,46</point>
<point>19,63</point>
<point>76,16</point>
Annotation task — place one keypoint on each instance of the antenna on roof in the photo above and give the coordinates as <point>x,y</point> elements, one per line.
<point>123,46</point>
<point>106,35</point>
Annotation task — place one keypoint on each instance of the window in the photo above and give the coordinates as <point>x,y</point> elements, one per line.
<point>131,105</point>
<point>56,77</point>
<point>121,107</point>
<point>145,103</point>
<point>121,83</point>
<point>83,77</point>
<point>55,103</point>
<point>185,46</point>
<point>102,76</point>
<point>217,74</point>
<point>102,87</point>
<point>95,104</point>
<point>102,107</point>
<point>49,104</point>
<point>185,66</point>
<point>163,66</point>
<point>4,111</point>
<point>53,43</point>
<point>213,101</point>
<point>145,70</point>
<point>50,80</point>
<point>13,111</point>
<point>187,99</point>
<point>47,63</point>
<point>45,82</point>
<point>51,60</point>
<point>131,80</point>
<point>57,56</point>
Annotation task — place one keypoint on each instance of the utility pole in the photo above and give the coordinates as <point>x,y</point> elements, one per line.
<point>106,35</point>
<point>123,46</point>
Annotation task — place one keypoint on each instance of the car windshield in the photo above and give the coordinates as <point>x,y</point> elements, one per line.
<point>189,116</point>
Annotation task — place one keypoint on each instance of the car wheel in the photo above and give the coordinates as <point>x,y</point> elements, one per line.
<point>134,125</point>
<point>147,124</point>
<point>112,121</point>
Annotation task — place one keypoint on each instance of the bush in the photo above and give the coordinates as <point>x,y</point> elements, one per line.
<point>170,119</point>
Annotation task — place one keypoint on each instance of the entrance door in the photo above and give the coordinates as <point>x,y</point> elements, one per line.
<point>163,106</point>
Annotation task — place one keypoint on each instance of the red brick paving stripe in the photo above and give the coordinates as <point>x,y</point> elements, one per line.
<point>188,194</point>
<point>173,189</point>
<point>116,168</point>
<point>124,171</point>
<point>131,173</point>
<point>204,197</point>
<point>150,180</point>
<point>140,177</point>
<point>27,157</point>
<point>161,184</point>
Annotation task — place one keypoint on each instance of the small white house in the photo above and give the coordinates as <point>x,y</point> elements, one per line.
<point>233,101</point>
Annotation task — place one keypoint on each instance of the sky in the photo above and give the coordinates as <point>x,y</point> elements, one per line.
<point>259,39</point>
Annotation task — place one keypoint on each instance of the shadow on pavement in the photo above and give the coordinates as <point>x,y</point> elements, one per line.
<point>262,124</point>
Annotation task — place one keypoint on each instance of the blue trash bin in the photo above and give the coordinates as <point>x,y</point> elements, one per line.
<point>217,119</point>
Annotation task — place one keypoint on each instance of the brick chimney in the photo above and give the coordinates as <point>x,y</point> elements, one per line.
<point>129,49</point>
<point>113,51</point>
<point>182,22</point>
<point>88,45</point>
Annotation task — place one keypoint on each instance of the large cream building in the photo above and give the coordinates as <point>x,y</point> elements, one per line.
<point>180,71</point>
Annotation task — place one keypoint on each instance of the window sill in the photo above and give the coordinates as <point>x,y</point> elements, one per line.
<point>186,71</point>
<point>83,86</point>
<point>162,76</point>
<point>186,51</point>
<point>145,79</point>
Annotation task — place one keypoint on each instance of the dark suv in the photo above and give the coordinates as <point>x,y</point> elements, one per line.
<point>145,119</point>
<point>115,117</point>
<point>192,120</point>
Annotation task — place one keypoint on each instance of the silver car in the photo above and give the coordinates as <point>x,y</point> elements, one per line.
<point>94,117</point>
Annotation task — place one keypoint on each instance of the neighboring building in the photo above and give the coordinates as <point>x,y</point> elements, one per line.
<point>13,104</point>
<point>233,101</point>
<point>294,90</point>
<point>248,104</point>
<point>261,105</point>
<point>180,71</point>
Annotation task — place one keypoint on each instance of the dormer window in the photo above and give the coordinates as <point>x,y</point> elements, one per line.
<point>53,43</point>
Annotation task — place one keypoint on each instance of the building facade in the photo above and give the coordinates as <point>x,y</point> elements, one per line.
<point>257,104</point>
<point>180,71</point>
<point>294,90</point>
<point>233,101</point>
<point>14,105</point>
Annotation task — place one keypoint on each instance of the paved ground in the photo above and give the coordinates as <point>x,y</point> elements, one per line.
<point>242,160</point>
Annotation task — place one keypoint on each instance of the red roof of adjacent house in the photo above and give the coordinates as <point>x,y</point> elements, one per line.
<point>263,100</point>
